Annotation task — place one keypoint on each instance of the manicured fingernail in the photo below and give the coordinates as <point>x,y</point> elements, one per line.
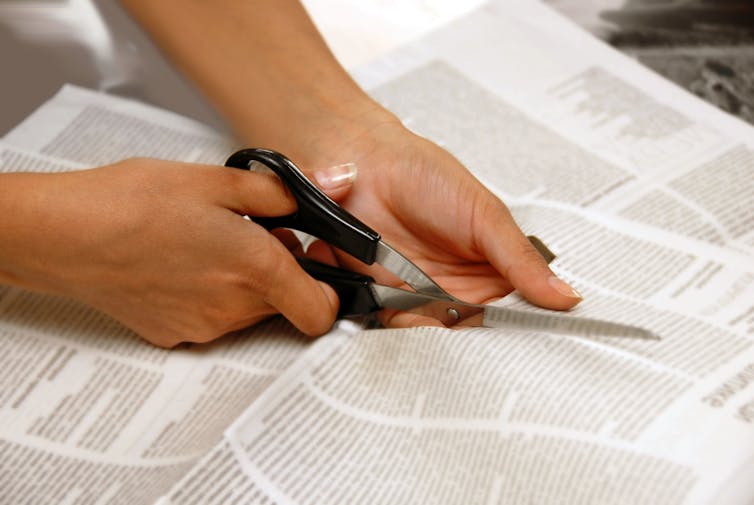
<point>564,288</point>
<point>337,176</point>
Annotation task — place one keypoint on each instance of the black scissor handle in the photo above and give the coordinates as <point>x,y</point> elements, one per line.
<point>317,214</point>
<point>353,289</point>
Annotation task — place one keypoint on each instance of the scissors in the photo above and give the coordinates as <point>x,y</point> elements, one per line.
<point>360,294</point>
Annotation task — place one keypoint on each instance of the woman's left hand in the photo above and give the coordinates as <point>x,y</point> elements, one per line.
<point>430,208</point>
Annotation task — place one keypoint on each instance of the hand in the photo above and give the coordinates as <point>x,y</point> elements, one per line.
<point>163,248</point>
<point>307,107</point>
<point>428,206</point>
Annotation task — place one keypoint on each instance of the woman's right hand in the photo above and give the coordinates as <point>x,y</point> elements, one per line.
<point>162,247</point>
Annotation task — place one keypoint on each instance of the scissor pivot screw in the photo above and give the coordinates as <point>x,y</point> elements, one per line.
<point>453,314</point>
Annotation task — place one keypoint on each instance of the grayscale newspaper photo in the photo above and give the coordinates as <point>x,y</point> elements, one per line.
<point>705,46</point>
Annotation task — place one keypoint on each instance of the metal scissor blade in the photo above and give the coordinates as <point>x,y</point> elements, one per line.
<point>556,323</point>
<point>408,272</point>
<point>457,313</point>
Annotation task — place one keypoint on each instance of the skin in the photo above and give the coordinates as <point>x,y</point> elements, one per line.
<point>156,245</point>
<point>146,241</point>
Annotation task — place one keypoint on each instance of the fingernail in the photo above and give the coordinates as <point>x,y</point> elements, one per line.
<point>337,176</point>
<point>564,288</point>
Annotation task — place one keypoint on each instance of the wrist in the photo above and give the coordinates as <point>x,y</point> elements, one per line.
<point>341,136</point>
<point>22,205</point>
<point>347,136</point>
<point>318,129</point>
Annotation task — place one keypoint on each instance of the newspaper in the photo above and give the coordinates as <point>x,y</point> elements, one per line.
<point>90,413</point>
<point>92,129</point>
<point>640,190</point>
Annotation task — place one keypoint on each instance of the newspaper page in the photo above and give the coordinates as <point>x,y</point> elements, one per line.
<point>17,159</point>
<point>92,129</point>
<point>510,416</point>
<point>626,140</point>
<point>483,415</point>
<point>579,140</point>
<point>90,413</point>
<point>706,198</point>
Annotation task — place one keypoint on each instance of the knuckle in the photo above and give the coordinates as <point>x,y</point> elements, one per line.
<point>236,179</point>
<point>320,324</point>
<point>232,178</point>
<point>264,275</point>
<point>323,316</point>
<point>134,160</point>
<point>203,338</point>
<point>316,327</point>
<point>214,318</point>
<point>531,256</point>
<point>524,257</point>
<point>273,277</point>
<point>162,340</point>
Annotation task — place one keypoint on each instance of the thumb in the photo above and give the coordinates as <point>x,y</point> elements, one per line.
<point>336,181</point>
<point>508,249</point>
